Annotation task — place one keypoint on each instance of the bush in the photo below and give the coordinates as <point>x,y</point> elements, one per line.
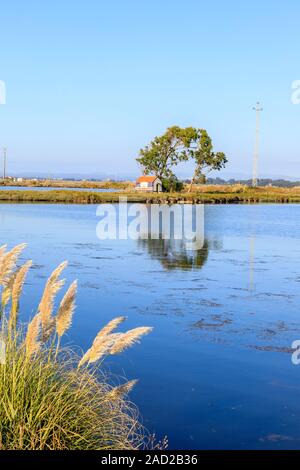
<point>51,398</point>
<point>172,184</point>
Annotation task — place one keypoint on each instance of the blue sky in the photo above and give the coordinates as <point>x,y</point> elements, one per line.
<point>89,83</point>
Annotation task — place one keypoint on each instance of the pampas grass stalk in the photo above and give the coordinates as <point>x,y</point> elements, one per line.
<point>32,343</point>
<point>53,285</point>
<point>111,326</point>
<point>66,309</point>
<point>8,263</point>
<point>18,283</point>
<point>99,349</point>
<point>2,251</point>
<point>102,342</point>
<point>65,313</point>
<point>128,339</point>
<point>114,343</point>
<point>121,390</point>
<point>7,292</point>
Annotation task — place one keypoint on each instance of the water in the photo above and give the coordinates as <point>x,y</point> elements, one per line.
<point>43,188</point>
<point>216,372</point>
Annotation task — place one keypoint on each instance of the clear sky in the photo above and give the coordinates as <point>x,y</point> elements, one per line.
<point>90,82</point>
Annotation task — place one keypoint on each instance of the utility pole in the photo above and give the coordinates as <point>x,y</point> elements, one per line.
<point>4,162</point>
<point>257,110</point>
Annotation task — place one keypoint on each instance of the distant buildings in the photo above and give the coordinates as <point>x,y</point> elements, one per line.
<point>149,183</point>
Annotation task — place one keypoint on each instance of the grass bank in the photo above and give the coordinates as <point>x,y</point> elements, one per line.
<point>51,397</point>
<point>69,184</point>
<point>207,194</point>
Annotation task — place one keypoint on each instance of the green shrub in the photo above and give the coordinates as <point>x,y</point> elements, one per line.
<point>172,184</point>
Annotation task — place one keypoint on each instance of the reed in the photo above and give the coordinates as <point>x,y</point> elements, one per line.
<point>51,398</point>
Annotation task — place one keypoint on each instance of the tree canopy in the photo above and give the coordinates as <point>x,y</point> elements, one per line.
<point>166,151</point>
<point>205,158</point>
<point>180,145</point>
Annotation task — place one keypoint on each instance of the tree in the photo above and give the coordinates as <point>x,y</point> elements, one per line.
<point>166,151</point>
<point>179,145</point>
<point>205,158</point>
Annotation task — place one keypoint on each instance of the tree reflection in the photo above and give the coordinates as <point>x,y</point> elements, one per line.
<point>173,253</point>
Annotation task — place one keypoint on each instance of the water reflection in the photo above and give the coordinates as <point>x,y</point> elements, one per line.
<point>174,235</point>
<point>173,253</point>
<point>251,263</point>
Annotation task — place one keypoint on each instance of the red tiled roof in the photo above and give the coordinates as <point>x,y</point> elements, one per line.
<point>146,179</point>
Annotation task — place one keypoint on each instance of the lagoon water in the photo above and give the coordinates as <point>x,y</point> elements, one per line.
<point>216,372</point>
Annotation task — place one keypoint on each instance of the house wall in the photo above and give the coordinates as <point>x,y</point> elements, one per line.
<point>157,187</point>
<point>152,187</point>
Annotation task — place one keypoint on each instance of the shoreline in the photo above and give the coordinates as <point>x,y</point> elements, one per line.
<point>251,196</point>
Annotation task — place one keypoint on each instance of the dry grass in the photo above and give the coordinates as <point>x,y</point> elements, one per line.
<point>51,183</point>
<point>51,398</point>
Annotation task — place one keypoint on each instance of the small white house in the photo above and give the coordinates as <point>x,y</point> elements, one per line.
<point>149,183</point>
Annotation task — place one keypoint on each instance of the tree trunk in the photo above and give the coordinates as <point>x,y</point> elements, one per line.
<point>192,181</point>
<point>197,173</point>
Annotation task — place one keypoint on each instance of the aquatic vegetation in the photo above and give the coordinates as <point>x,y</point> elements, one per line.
<point>51,398</point>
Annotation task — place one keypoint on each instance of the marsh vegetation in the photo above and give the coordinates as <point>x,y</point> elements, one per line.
<point>200,194</point>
